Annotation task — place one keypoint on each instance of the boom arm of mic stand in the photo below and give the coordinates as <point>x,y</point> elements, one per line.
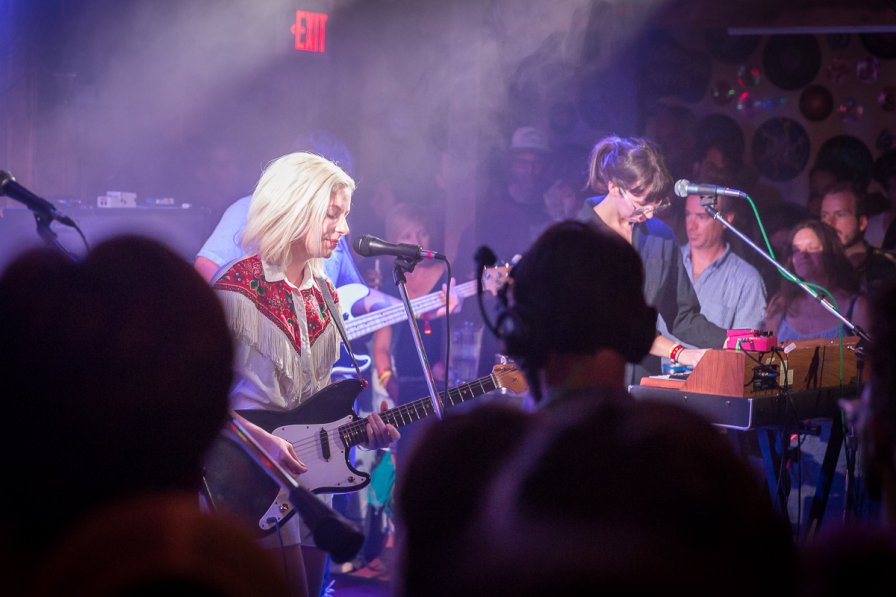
<point>402,266</point>
<point>43,220</point>
<point>711,210</point>
<point>332,532</point>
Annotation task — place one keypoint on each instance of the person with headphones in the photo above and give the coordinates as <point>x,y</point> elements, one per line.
<point>635,182</point>
<point>567,357</point>
<point>565,351</point>
<point>588,432</point>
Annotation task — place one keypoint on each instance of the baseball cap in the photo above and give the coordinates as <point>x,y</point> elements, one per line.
<point>528,138</point>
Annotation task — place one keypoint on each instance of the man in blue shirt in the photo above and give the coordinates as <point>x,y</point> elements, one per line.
<point>730,290</point>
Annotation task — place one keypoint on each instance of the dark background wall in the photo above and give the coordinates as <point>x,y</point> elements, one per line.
<point>190,99</point>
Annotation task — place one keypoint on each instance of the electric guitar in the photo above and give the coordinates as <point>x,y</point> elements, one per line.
<point>356,327</point>
<point>322,430</point>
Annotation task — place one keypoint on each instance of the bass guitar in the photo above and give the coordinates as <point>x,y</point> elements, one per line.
<point>361,325</point>
<point>323,429</point>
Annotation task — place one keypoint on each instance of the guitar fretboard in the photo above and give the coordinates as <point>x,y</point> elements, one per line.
<point>371,322</point>
<point>355,433</point>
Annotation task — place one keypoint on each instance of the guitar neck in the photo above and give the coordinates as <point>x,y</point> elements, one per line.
<point>371,322</point>
<point>355,433</point>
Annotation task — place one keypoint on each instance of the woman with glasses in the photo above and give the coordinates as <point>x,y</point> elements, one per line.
<point>635,182</point>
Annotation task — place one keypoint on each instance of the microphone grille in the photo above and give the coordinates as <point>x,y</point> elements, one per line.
<point>360,245</point>
<point>681,187</point>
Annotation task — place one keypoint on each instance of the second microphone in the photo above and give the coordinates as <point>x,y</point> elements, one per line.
<point>367,245</point>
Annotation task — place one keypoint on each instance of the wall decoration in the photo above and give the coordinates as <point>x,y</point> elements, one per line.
<point>748,76</point>
<point>882,45</point>
<point>850,150</point>
<point>850,109</point>
<point>746,105</point>
<point>839,70</point>
<point>791,61</point>
<point>886,99</point>
<point>723,93</point>
<point>816,103</point>
<point>780,148</point>
<point>729,48</point>
<point>868,70</point>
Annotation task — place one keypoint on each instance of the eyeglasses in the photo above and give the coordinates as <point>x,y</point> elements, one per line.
<point>645,210</point>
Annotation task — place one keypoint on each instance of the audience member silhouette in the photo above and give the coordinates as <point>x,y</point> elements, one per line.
<point>568,354</point>
<point>122,365</point>
<point>623,497</point>
<point>859,554</point>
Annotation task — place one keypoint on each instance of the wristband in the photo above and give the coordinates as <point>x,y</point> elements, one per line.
<point>384,376</point>
<point>676,350</point>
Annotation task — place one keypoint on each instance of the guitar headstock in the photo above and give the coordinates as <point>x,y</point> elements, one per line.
<point>493,278</point>
<point>510,378</point>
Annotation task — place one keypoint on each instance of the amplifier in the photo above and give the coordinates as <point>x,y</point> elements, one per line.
<point>183,230</point>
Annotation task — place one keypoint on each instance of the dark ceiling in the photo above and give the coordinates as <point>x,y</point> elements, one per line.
<point>788,15</point>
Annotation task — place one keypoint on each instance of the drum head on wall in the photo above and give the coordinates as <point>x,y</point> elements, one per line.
<point>851,151</point>
<point>816,103</point>
<point>791,61</point>
<point>780,149</point>
<point>882,45</point>
<point>732,49</point>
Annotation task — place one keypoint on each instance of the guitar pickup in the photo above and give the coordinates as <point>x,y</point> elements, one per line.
<point>325,443</point>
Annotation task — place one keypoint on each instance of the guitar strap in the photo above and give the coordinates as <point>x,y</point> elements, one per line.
<point>337,319</point>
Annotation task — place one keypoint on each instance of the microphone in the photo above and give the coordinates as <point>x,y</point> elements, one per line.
<point>10,188</point>
<point>683,188</point>
<point>367,245</point>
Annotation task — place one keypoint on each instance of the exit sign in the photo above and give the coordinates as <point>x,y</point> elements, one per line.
<point>310,31</point>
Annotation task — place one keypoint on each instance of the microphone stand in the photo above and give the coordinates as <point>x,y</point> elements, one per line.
<point>402,267</point>
<point>43,220</point>
<point>708,203</point>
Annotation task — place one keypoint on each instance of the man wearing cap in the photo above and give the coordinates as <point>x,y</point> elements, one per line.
<point>513,213</point>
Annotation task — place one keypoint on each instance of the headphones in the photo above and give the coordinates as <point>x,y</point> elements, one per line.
<point>523,325</point>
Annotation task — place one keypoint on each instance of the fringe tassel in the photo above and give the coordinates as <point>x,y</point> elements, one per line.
<point>262,334</point>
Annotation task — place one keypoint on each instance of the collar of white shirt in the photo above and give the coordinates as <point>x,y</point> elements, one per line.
<point>275,273</point>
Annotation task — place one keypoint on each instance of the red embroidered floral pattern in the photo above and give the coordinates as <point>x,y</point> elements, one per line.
<point>274,300</point>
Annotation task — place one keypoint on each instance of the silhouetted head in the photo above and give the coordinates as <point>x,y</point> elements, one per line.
<point>118,367</point>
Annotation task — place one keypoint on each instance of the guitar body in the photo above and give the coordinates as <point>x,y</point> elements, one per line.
<point>322,430</point>
<point>235,483</point>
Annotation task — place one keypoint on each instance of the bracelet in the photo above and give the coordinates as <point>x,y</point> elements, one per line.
<point>676,350</point>
<point>384,376</point>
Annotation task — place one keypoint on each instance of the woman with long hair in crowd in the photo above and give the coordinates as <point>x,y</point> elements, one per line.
<point>816,256</point>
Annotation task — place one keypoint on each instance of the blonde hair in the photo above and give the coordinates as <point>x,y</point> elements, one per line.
<point>289,204</point>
